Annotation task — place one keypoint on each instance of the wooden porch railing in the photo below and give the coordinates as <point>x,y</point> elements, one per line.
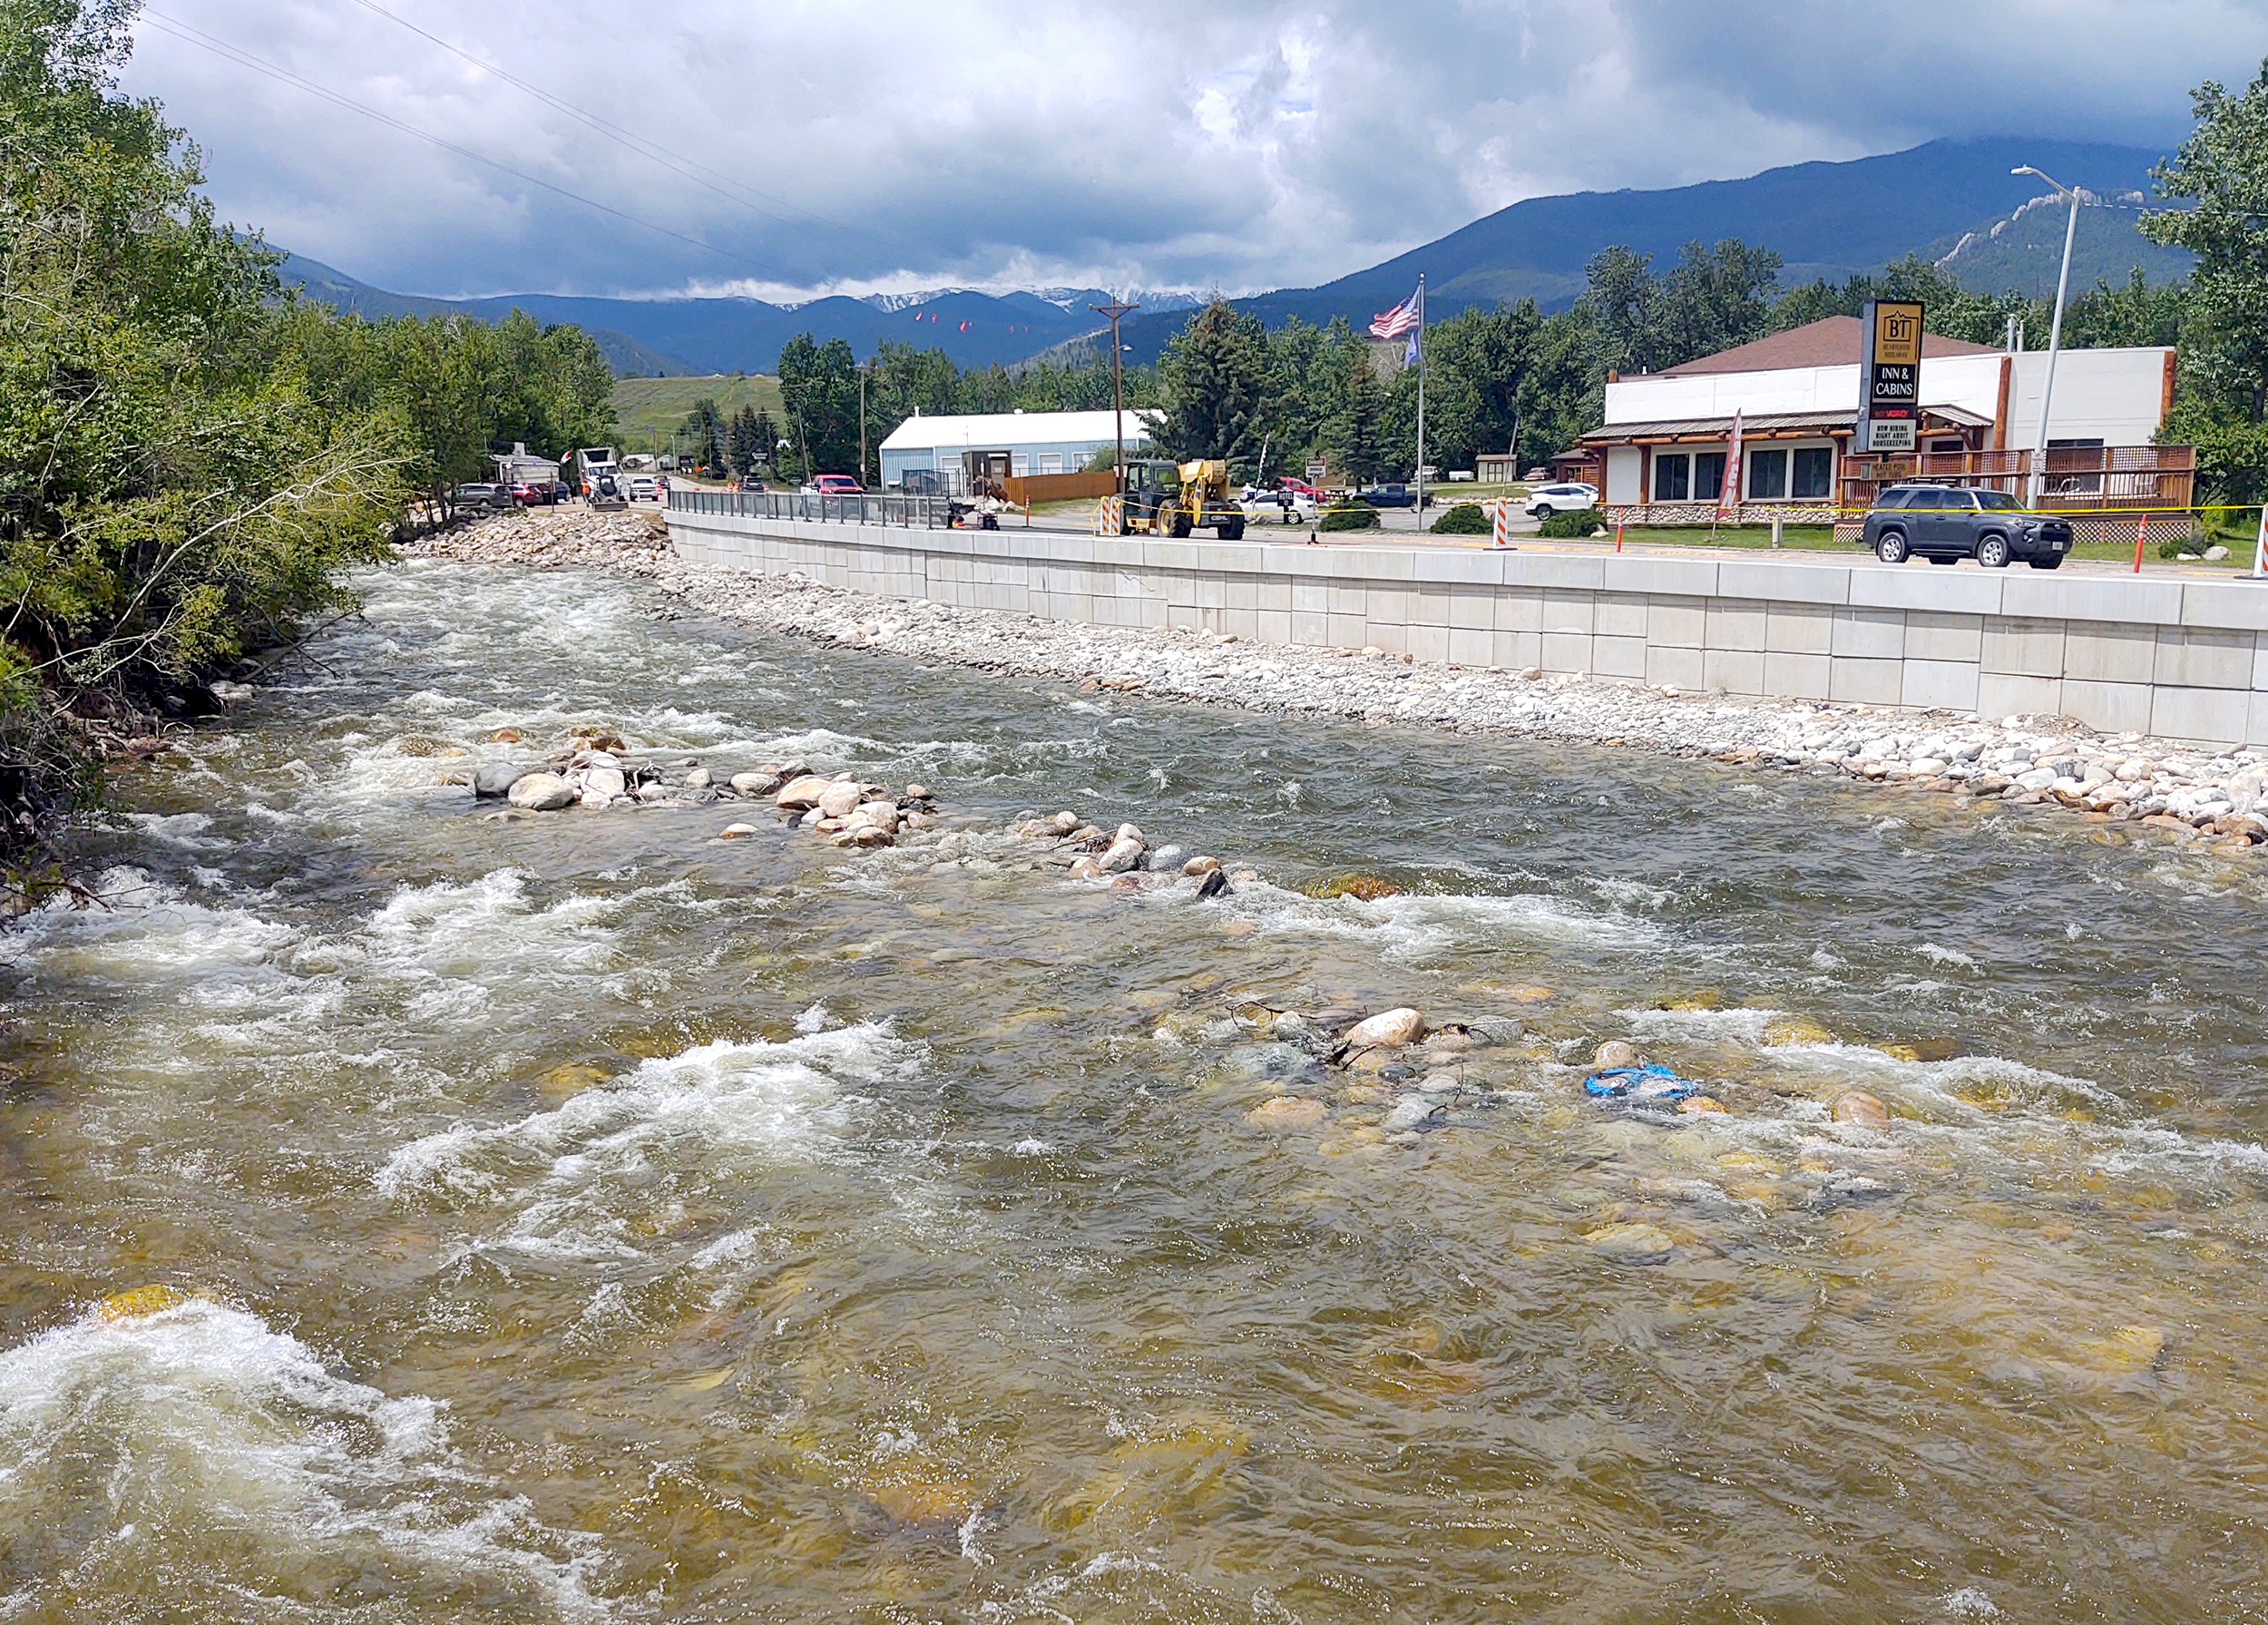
<point>2083,478</point>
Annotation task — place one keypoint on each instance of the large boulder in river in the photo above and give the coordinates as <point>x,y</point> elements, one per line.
<point>492,781</point>
<point>839,799</point>
<point>541,792</point>
<point>802,793</point>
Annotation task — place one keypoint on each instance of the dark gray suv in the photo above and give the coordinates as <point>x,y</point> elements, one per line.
<point>1948,524</point>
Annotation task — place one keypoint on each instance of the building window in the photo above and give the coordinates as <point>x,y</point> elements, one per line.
<point>1708,476</point>
<point>1815,473</point>
<point>1767,475</point>
<point>1050,462</point>
<point>1671,477</point>
<point>1021,464</point>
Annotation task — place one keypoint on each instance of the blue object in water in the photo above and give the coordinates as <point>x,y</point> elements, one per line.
<point>1652,1082</point>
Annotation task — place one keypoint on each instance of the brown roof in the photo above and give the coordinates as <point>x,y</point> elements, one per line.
<point>1831,341</point>
<point>1761,425</point>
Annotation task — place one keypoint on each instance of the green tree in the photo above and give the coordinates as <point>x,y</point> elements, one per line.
<point>820,385</point>
<point>2222,171</point>
<point>1619,308</point>
<point>1220,388</point>
<point>1713,299</point>
<point>172,491</point>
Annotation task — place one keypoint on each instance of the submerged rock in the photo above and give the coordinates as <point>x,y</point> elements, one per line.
<point>1636,1243</point>
<point>1856,1106</point>
<point>1615,1053</point>
<point>1285,1111</point>
<point>1414,1113</point>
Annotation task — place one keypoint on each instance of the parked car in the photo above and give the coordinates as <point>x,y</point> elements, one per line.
<point>834,484</point>
<point>1948,524</point>
<point>642,488</point>
<point>531,493</point>
<point>1393,494</point>
<point>748,481</point>
<point>1570,497</point>
<point>1282,504</point>
<point>482,498</point>
<point>1302,488</point>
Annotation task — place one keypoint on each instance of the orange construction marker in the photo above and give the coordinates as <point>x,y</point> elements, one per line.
<point>2141,525</point>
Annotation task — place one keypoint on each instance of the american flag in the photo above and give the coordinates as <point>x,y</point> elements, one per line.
<point>1393,324</point>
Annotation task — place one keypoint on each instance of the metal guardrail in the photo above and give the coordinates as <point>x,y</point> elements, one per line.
<point>914,513</point>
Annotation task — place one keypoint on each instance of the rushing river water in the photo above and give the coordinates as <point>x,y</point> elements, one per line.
<point>583,1217</point>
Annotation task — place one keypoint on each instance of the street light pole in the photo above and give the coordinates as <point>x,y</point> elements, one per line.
<point>1115,309</point>
<point>861,368</point>
<point>2054,329</point>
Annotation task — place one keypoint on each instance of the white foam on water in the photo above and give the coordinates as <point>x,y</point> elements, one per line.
<point>141,929</point>
<point>201,1443</point>
<point>1416,927</point>
<point>176,830</point>
<point>574,1176</point>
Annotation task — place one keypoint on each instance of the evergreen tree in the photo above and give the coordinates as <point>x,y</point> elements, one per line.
<point>1220,390</point>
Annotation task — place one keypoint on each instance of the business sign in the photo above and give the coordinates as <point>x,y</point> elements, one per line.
<point>1889,376</point>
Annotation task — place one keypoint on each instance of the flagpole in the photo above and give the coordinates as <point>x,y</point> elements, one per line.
<point>1420,353</point>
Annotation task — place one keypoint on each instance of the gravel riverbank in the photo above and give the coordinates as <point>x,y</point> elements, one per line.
<point>2191,793</point>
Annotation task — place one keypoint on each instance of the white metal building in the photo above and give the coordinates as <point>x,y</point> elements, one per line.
<point>1667,435</point>
<point>1003,443</point>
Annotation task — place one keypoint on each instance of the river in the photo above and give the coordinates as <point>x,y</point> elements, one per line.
<point>580,1217</point>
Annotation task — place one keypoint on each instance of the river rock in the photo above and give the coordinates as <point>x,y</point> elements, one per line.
<point>1211,884</point>
<point>949,848</point>
<point>1437,1083</point>
<point>1284,1112</point>
<point>884,814</point>
<point>492,781</point>
<point>606,782</point>
<point>840,798</point>
<point>1389,1029</point>
<point>1120,855</point>
<point>734,832</point>
<point>1414,1112</point>
<point>865,835</point>
<point>1856,1106</point>
<point>540,792</point>
<point>1637,1243</point>
<point>1084,869</point>
<point>654,790</point>
<point>593,800</point>
<point>1064,823</point>
<point>1200,865</point>
<point>917,792</point>
<point>755,784</point>
<point>699,778</point>
<point>1167,859</point>
<point>601,759</point>
<point>801,793</point>
<point>1614,1053</point>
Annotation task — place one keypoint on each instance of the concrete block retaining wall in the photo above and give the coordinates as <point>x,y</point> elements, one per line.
<point>2183,660</point>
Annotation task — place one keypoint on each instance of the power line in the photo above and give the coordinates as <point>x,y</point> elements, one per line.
<point>651,149</point>
<point>220,47</point>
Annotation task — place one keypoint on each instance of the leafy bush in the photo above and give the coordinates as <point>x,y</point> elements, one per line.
<point>1354,517</point>
<point>1466,519</point>
<point>1574,527</point>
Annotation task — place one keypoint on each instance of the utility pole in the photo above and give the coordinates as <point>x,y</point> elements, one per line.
<point>1418,343</point>
<point>863,369</point>
<point>1115,309</point>
<point>2054,329</point>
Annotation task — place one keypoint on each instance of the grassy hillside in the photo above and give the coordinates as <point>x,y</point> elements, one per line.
<point>647,407</point>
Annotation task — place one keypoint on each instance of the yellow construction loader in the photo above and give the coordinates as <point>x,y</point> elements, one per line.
<point>1165,499</point>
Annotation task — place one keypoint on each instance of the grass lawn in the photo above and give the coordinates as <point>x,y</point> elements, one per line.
<point>645,409</point>
<point>1814,537</point>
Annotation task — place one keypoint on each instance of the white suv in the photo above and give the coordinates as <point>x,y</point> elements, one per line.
<point>1544,501</point>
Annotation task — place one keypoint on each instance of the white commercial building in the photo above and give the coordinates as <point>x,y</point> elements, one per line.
<point>955,451</point>
<point>1661,455</point>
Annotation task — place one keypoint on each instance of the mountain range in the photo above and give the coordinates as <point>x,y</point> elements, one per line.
<point>1954,201</point>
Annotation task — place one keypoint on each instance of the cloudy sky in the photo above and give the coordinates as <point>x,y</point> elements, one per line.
<point>788,148</point>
